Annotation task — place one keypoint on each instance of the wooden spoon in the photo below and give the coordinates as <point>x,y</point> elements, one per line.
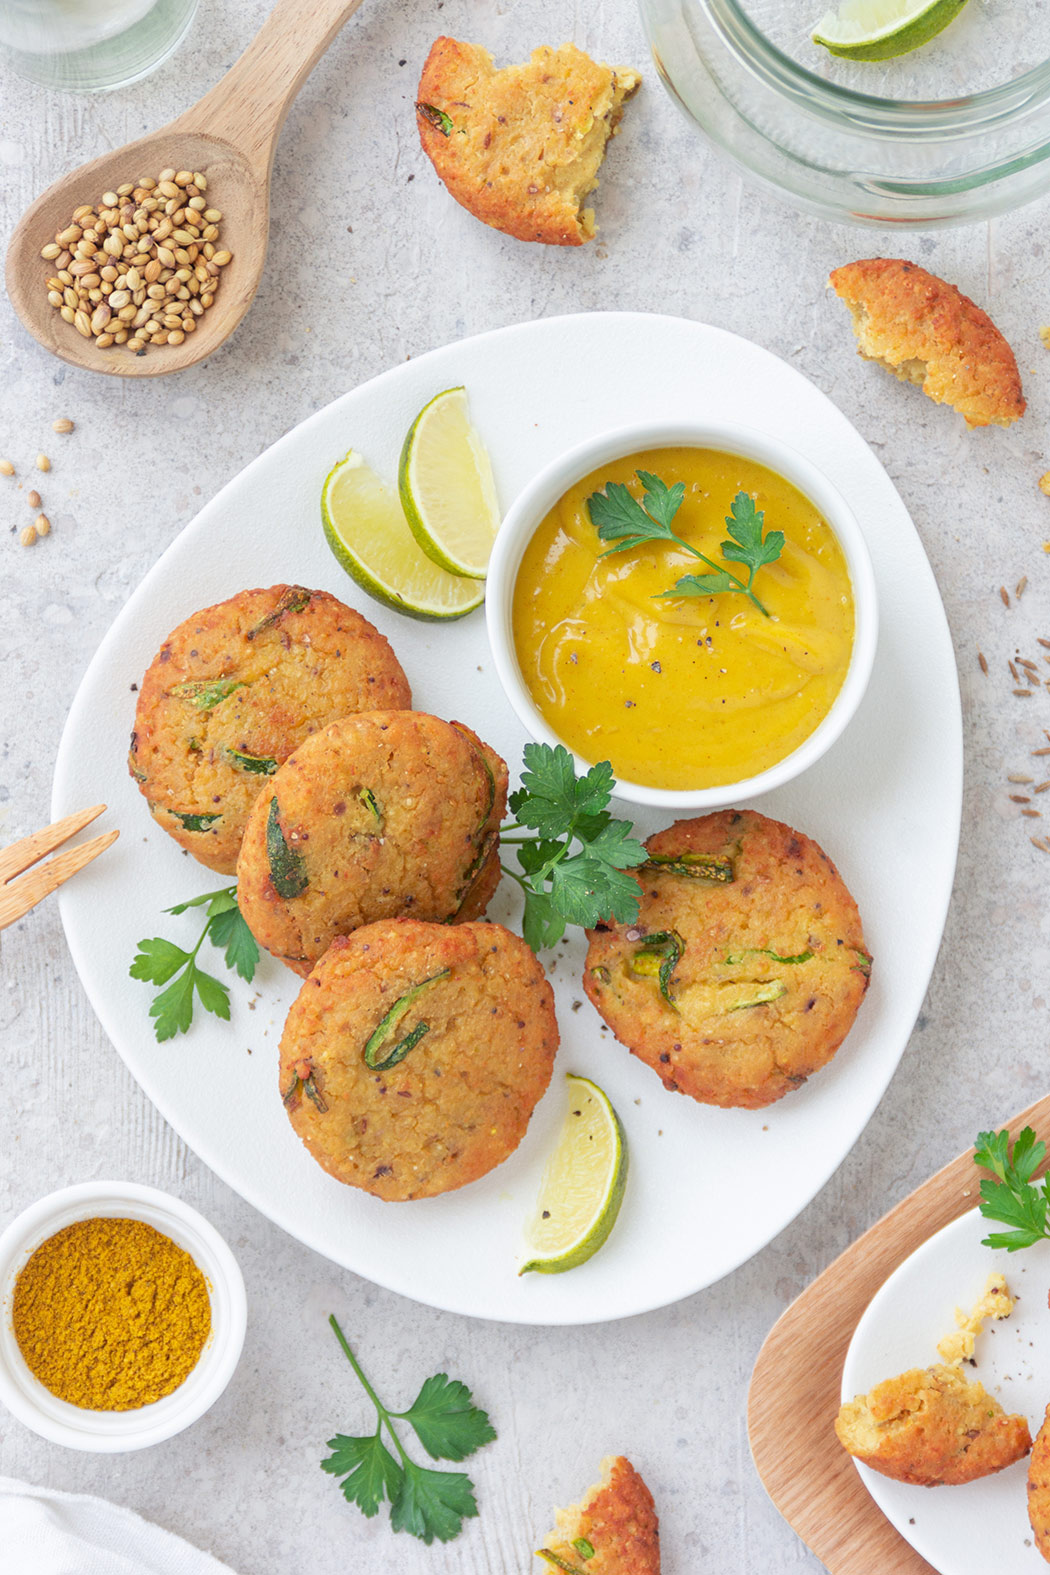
<point>794,1395</point>
<point>230,136</point>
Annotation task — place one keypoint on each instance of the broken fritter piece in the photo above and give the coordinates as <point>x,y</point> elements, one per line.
<point>927,332</point>
<point>613,1530</point>
<point>931,1427</point>
<point>520,148</point>
<point>1039,1488</point>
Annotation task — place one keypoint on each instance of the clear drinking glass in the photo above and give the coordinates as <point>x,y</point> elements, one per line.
<point>86,45</point>
<point>956,132</point>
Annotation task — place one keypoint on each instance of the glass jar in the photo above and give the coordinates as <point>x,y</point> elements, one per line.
<point>846,154</point>
<point>86,45</point>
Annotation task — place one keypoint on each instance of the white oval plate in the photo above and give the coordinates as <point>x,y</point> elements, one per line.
<point>981,1526</point>
<point>884,803</point>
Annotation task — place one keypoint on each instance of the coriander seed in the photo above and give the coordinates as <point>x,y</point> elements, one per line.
<point>6,468</point>
<point>42,462</point>
<point>43,525</point>
<point>33,499</point>
<point>27,535</point>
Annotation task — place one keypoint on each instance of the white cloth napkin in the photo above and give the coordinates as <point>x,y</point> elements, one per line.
<point>47,1533</point>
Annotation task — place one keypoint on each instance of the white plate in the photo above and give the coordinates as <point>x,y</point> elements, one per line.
<point>884,803</point>
<point>982,1526</point>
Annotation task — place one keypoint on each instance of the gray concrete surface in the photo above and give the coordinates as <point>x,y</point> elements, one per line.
<point>371,262</point>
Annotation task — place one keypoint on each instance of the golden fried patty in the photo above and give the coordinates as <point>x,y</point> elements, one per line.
<point>415,1054</point>
<point>745,966</point>
<point>925,331</point>
<point>930,1427</point>
<point>230,694</point>
<point>1039,1488</point>
<point>520,148</point>
<point>614,1530</point>
<point>383,815</point>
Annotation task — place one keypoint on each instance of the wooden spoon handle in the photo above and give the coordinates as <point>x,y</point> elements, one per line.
<point>794,1396</point>
<point>247,107</point>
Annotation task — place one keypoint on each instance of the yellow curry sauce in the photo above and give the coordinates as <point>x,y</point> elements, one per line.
<point>696,691</point>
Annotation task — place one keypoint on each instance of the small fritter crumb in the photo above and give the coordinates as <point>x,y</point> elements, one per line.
<point>995,1302</point>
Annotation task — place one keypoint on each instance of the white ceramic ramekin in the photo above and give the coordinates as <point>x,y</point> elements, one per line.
<point>113,1432</point>
<point>541,494</point>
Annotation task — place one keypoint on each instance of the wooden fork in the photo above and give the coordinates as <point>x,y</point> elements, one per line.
<point>18,896</point>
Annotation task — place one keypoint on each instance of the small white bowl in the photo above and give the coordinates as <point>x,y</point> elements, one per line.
<point>114,1432</point>
<point>539,497</point>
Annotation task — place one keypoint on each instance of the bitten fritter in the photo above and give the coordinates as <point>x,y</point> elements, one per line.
<point>930,1427</point>
<point>383,815</point>
<point>614,1530</point>
<point>927,332</point>
<point>745,967</point>
<point>415,1054</point>
<point>520,148</point>
<point>1039,1488</point>
<point>233,690</point>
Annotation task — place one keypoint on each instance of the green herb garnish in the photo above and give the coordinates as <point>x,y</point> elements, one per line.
<point>1012,1198</point>
<point>295,599</point>
<point>304,1081</point>
<point>380,1037</point>
<point>261,765</point>
<point>693,866</point>
<point>620,518</point>
<point>287,867</point>
<point>561,886</point>
<point>371,803</point>
<point>764,951</point>
<point>659,958</point>
<point>437,118</point>
<point>425,1503</point>
<point>763,991</point>
<point>190,822</point>
<point>206,693</point>
<point>158,960</point>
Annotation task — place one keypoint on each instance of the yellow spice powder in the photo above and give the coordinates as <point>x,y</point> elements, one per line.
<point>110,1314</point>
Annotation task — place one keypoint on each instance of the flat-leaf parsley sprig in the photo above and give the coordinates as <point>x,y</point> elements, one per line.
<point>425,1503</point>
<point>555,809</point>
<point>1012,1198</point>
<point>158,960</point>
<point>620,518</point>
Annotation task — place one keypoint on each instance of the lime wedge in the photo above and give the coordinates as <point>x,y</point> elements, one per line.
<point>582,1186</point>
<point>366,529</point>
<point>446,486</point>
<point>883,29</point>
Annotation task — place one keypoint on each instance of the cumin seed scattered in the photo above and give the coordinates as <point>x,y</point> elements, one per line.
<point>1005,595</point>
<point>1023,694</point>
<point>1044,751</point>
<point>1044,643</point>
<point>1042,787</point>
<point>1033,814</point>
<point>1022,582</point>
<point>1016,777</point>
<point>1014,674</point>
<point>1019,798</point>
<point>982,659</point>
<point>1037,842</point>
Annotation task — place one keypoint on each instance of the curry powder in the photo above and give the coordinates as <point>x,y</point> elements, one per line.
<point>110,1314</point>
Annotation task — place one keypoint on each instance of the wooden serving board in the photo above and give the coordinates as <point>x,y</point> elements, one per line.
<point>794,1395</point>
